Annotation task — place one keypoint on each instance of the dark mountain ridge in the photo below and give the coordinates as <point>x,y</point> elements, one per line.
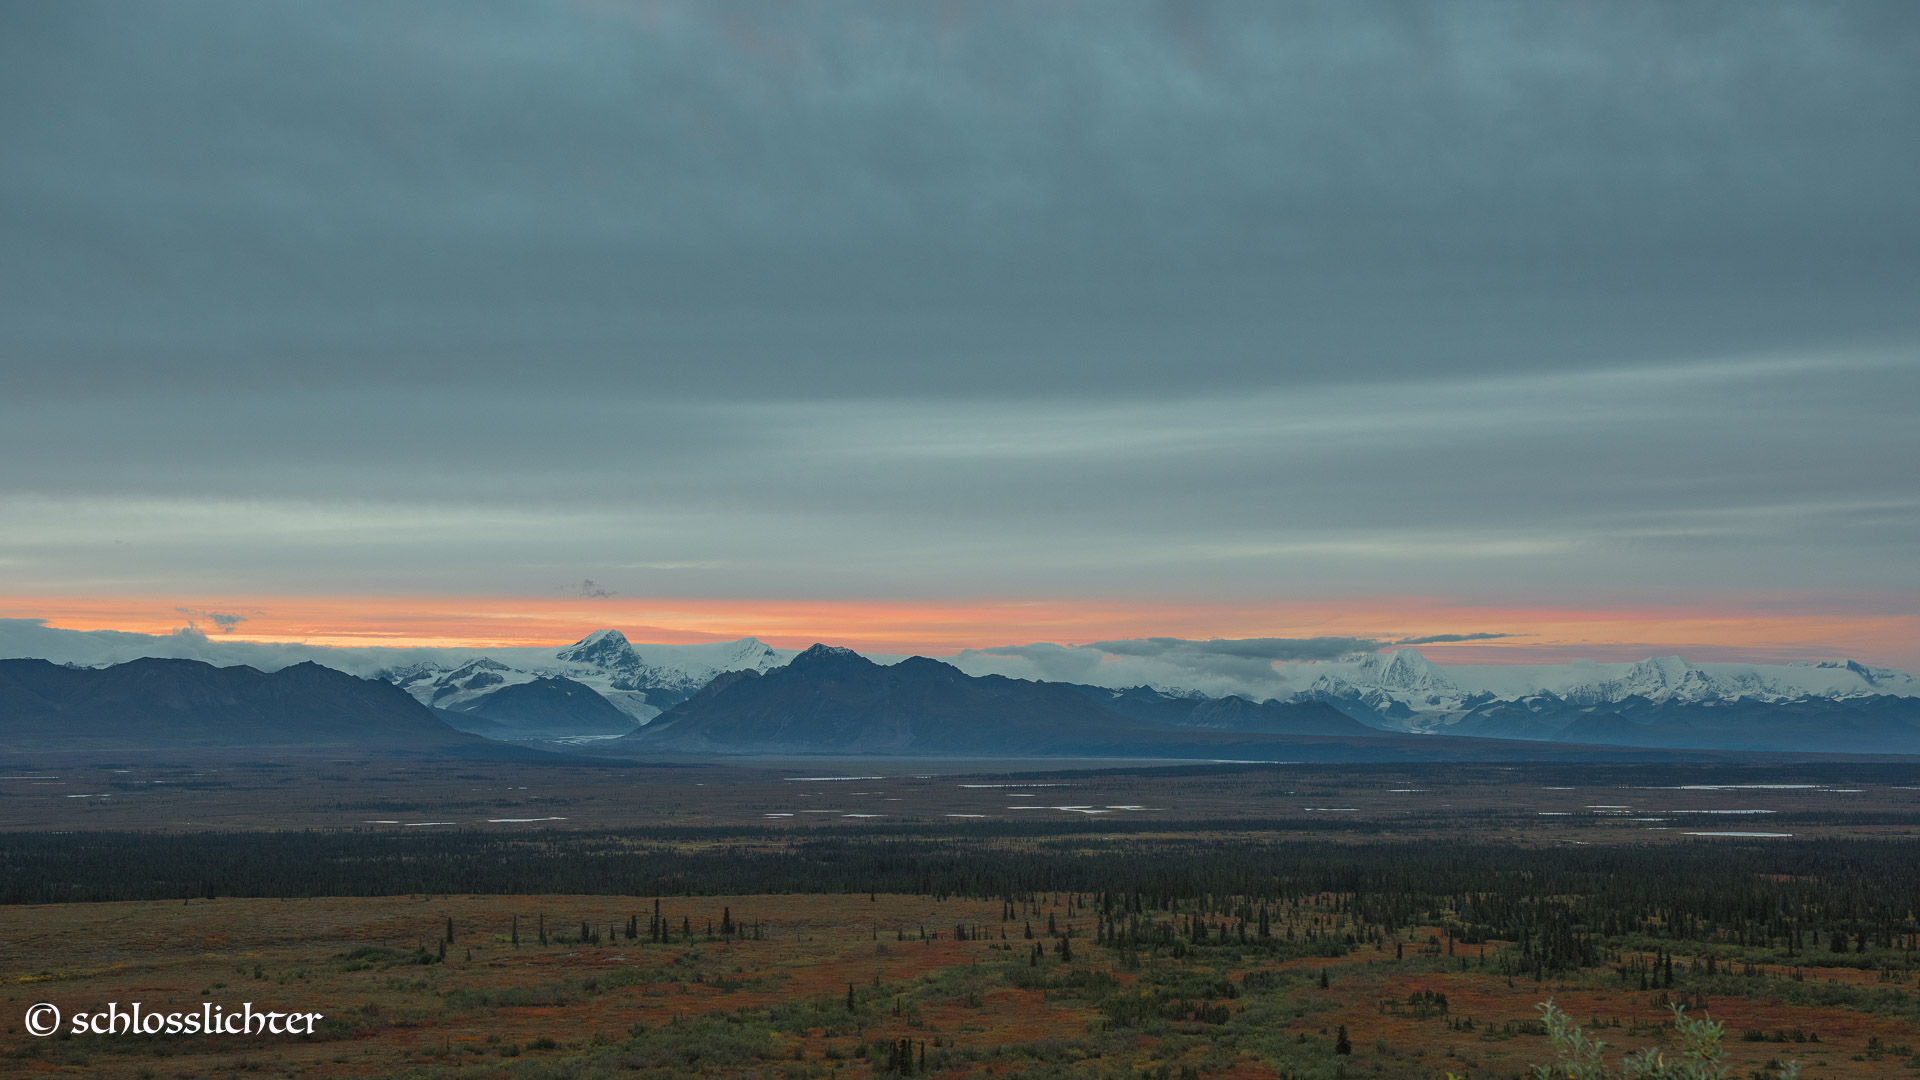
<point>834,701</point>
<point>156,704</point>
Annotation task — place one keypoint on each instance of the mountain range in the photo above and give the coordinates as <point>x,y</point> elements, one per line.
<point>604,691</point>
<point>827,701</point>
<point>532,694</point>
<point>1404,689</point>
<point>1834,706</point>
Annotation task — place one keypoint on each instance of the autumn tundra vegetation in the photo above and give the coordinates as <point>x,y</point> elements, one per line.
<point>1003,949</point>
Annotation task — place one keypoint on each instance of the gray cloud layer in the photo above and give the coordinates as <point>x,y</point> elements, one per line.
<point>1218,666</point>
<point>881,198</point>
<point>1436,639</point>
<point>1263,650</point>
<point>1757,475</point>
<point>879,299</point>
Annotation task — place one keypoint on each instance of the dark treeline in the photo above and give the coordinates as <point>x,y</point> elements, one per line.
<point>1795,896</point>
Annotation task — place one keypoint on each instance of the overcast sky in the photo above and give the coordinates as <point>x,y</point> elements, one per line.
<point>1573,304</point>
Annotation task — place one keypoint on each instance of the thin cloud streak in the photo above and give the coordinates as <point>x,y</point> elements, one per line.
<point>1721,472</point>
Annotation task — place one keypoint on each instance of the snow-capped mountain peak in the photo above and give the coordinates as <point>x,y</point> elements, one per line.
<point>608,649</point>
<point>750,653</point>
<point>604,661</point>
<point>1406,669</point>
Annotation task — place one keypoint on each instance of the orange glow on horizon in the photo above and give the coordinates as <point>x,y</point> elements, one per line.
<point>1873,633</point>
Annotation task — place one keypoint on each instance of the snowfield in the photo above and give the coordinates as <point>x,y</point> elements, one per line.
<point>1433,694</point>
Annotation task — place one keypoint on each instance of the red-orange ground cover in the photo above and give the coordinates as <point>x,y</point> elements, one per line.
<point>396,1018</point>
